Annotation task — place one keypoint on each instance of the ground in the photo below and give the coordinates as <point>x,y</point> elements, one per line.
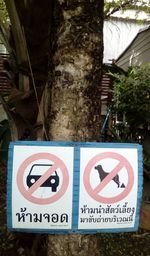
<point>22,244</point>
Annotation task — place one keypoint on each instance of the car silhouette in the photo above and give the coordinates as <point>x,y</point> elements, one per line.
<point>52,181</point>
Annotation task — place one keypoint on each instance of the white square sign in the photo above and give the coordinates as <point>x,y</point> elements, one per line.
<point>42,187</point>
<point>108,188</point>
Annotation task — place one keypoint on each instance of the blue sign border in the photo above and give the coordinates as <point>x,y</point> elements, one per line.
<point>76,183</point>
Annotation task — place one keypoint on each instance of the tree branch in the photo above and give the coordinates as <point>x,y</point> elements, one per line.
<point>114,8</point>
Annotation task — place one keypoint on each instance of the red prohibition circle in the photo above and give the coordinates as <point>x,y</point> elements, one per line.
<point>58,163</point>
<point>94,193</point>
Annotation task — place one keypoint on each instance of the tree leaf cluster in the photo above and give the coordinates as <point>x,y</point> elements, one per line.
<point>132,95</point>
<point>112,6</point>
<point>3,12</point>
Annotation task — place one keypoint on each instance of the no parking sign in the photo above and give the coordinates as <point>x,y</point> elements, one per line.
<point>61,187</point>
<point>47,177</point>
<point>41,189</point>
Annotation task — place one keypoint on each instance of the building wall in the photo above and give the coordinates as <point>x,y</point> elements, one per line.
<point>138,52</point>
<point>118,33</point>
<point>2,48</point>
<point>3,81</point>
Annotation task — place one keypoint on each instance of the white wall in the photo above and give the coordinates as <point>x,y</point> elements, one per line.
<point>117,36</point>
<point>2,48</point>
<point>139,51</point>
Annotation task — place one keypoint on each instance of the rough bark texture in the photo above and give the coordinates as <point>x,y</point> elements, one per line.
<point>73,245</point>
<point>75,94</point>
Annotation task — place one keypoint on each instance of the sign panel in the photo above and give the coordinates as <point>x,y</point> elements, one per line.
<point>73,187</point>
<point>42,183</point>
<point>108,188</point>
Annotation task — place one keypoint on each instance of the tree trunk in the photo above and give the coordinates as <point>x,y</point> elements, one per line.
<point>75,93</point>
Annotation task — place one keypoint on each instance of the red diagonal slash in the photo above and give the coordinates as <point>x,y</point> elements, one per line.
<point>28,193</point>
<point>42,179</point>
<point>95,192</point>
<point>108,178</point>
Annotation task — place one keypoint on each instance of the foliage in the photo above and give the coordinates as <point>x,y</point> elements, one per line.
<point>4,25</point>
<point>112,6</point>
<point>24,69</point>
<point>3,12</point>
<point>146,151</point>
<point>132,95</point>
<point>132,100</point>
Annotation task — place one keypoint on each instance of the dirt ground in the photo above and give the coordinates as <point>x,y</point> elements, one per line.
<point>22,244</point>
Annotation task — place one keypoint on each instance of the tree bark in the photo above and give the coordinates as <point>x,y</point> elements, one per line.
<point>75,93</point>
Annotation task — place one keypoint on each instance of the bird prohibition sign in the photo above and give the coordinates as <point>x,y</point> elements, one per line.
<point>28,193</point>
<point>95,193</point>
